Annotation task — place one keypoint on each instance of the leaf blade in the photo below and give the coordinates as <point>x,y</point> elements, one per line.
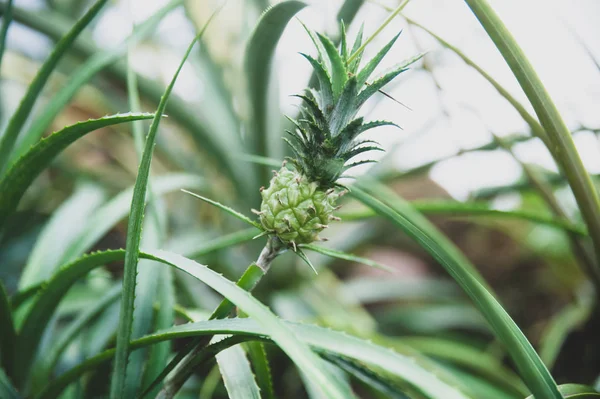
<point>345,256</point>
<point>561,144</point>
<point>319,338</point>
<point>237,374</point>
<point>21,174</point>
<point>533,371</point>
<point>227,209</point>
<point>35,88</point>
<point>134,230</point>
<point>97,61</point>
<point>258,64</point>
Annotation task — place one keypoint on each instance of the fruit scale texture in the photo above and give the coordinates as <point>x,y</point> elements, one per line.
<point>295,209</point>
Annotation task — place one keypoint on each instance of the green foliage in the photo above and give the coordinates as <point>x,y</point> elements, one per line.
<point>19,118</point>
<point>258,61</point>
<point>237,374</point>
<point>559,142</point>
<point>134,232</point>
<point>81,318</point>
<point>324,138</point>
<point>20,176</point>
<point>533,371</point>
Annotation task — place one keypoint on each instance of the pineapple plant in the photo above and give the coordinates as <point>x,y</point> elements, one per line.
<point>301,197</point>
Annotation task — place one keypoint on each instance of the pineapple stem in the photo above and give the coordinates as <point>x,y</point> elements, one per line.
<point>272,249</point>
<point>378,31</point>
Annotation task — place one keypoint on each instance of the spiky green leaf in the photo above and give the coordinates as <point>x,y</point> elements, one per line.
<point>237,374</point>
<point>325,85</point>
<point>19,118</point>
<point>134,231</point>
<point>258,64</point>
<point>378,84</point>
<point>339,75</point>
<point>534,372</point>
<point>368,69</point>
<point>355,63</point>
<point>20,176</point>
<point>401,366</point>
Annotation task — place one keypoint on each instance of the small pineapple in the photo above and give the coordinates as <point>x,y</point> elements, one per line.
<point>299,203</point>
<point>295,209</point>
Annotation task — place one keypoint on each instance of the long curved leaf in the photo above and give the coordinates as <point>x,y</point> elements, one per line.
<point>321,339</point>
<point>19,118</point>
<point>20,176</point>
<point>258,61</point>
<point>222,145</point>
<point>532,369</point>
<point>149,276</point>
<point>260,365</point>
<point>49,298</point>
<point>469,209</point>
<point>288,341</point>
<point>237,374</point>
<point>48,295</point>
<point>117,208</point>
<point>576,391</point>
<point>65,222</point>
<point>560,141</point>
<point>134,232</point>
<point>98,61</point>
<point>185,358</point>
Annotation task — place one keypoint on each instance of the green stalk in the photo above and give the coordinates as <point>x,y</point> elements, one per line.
<point>561,143</point>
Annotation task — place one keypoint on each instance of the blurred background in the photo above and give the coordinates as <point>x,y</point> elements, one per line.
<point>460,140</point>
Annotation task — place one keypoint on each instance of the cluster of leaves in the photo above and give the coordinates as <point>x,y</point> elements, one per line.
<point>73,327</point>
<point>324,140</point>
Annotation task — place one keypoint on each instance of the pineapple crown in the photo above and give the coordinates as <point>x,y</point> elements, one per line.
<point>325,136</point>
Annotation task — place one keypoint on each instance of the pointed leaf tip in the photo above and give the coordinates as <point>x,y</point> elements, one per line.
<point>225,208</point>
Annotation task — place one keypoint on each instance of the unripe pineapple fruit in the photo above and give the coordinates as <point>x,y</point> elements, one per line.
<point>298,204</point>
<point>296,209</point>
